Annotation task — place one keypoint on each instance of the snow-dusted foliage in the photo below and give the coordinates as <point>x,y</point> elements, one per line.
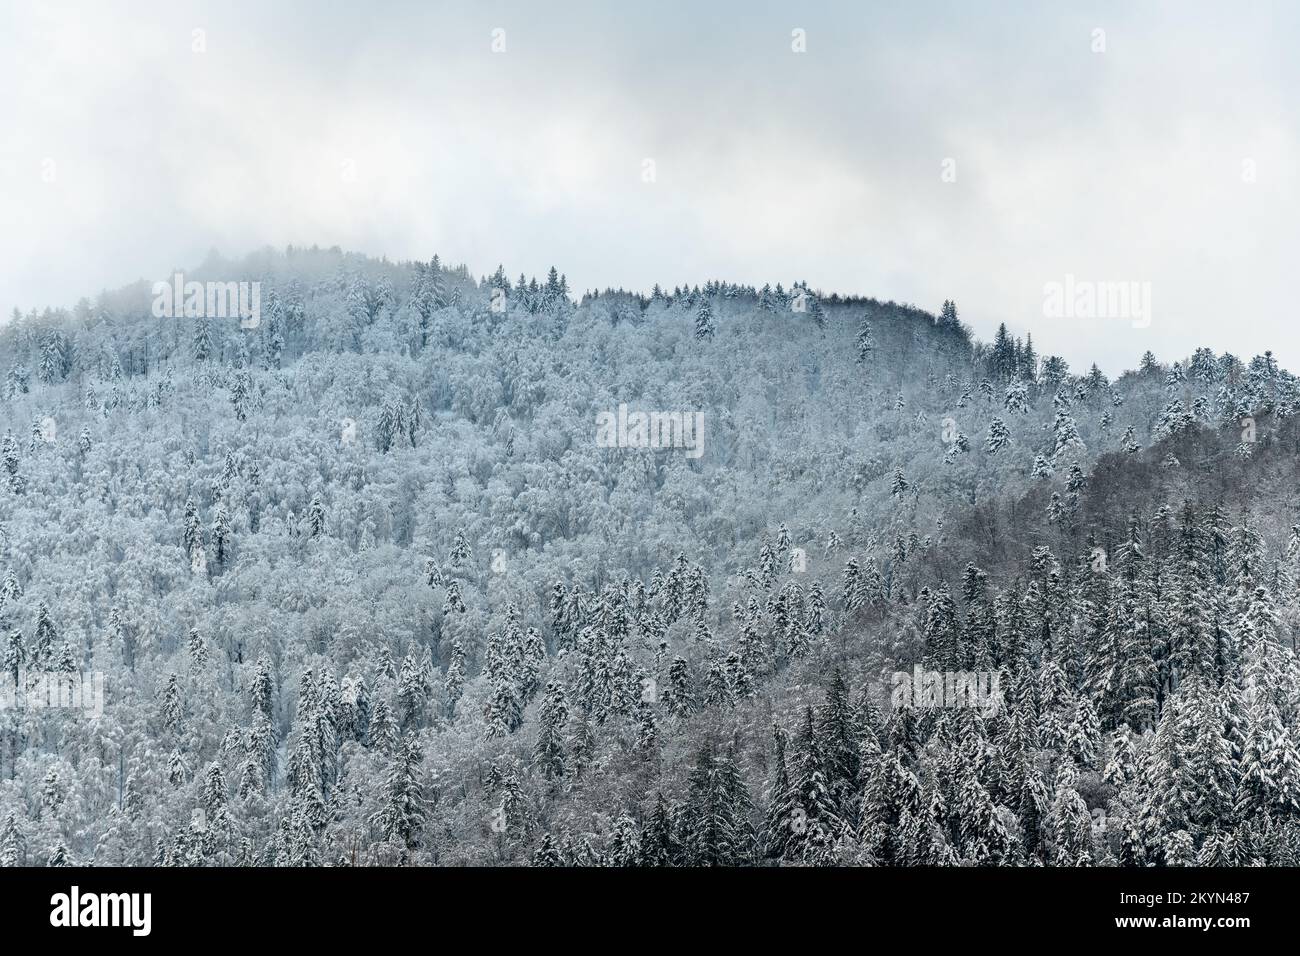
<point>363,586</point>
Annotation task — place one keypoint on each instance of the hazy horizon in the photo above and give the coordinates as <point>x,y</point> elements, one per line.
<point>911,154</point>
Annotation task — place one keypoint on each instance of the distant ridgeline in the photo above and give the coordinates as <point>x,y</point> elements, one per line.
<point>372,562</point>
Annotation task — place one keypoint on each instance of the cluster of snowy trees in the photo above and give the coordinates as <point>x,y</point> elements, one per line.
<point>1147,717</point>
<point>364,588</point>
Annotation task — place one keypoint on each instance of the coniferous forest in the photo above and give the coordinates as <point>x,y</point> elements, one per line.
<point>364,589</point>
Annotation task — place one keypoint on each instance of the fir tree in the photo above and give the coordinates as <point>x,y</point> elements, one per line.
<point>403,812</point>
<point>704,328</point>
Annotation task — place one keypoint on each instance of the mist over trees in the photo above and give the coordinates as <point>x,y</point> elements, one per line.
<point>364,589</point>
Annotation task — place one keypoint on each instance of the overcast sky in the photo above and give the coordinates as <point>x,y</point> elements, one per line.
<point>395,129</point>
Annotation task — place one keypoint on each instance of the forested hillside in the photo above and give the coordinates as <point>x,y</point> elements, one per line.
<point>364,588</point>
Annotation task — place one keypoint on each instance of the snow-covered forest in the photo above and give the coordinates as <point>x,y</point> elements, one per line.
<point>365,589</point>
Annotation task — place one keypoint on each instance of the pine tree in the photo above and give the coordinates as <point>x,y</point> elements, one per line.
<point>866,341</point>
<point>13,847</point>
<point>59,856</point>
<point>383,733</point>
<point>172,711</point>
<point>213,798</point>
<point>715,827</point>
<point>704,328</point>
<point>1065,436</point>
<point>11,590</point>
<point>1069,824</point>
<point>198,651</point>
<point>1207,766</point>
<point>263,687</point>
<point>402,814</point>
<point>316,516</point>
<point>514,807</point>
<point>413,693</point>
<point>1083,739</point>
<point>46,636</point>
<point>454,679</point>
<point>549,752</point>
<point>659,846</point>
<point>1016,400</point>
<point>193,536</point>
<point>998,437</point>
<point>984,838</point>
<point>221,535</point>
<point>460,551</point>
<point>453,602</point>
<point>9,458</point>
<point>202,341</point>
<point>898,486</point>
<point>546,853</point>
<point>1003,357</point>
<point>1270,763</point>
<point>816,825</point>
<point>624,843</point>
<point>258,771</point>
<point>892,796</point>
<point>678,697</point>
<point>647,738</point>
<point>15,658</point>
